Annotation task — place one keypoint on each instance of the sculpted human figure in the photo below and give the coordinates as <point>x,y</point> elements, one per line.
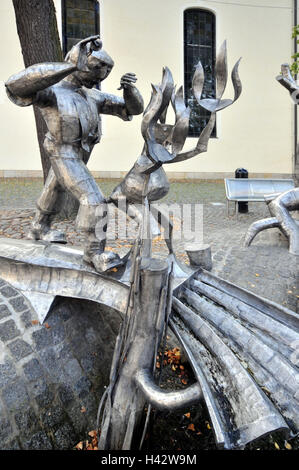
<point>71,108</point>
<point>281,205</point>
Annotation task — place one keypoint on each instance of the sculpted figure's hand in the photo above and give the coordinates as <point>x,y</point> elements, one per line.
<point>83,49</point>
<point>127,80</point>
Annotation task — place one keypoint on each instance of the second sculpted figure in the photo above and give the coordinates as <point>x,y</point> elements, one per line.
<point>71,108</point>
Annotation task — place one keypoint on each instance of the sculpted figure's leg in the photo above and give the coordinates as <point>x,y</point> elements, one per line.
<point>287,224</point>
<point>48,205</point>
<point>75,177</point>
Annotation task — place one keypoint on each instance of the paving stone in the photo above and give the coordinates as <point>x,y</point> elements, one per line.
<point>4,311</point>
<point>10,445</point>
<point>18,304</point>
<point>64,437</point>
<point>39,441</point>
<point>78,419</point>
<point>5,430</point>
<point>41,392</point>
<point>42,338</point>
<point>58,333</point>
<point>19,349</point>
<point>26,420</point>
<point>53,417</point>
<point>8,291</point>
<point>82,387</point>
<point>33,370</point>
<point>73,369</point>
<point>49,359</point>
<point>26,318</point>
<point>8,373</point>
<point>66,394</point>
<point>15,395</point>
<point>8,330</point>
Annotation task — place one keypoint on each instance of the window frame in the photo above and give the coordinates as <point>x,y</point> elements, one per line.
<point>203,113</point>
<point>64,22</point>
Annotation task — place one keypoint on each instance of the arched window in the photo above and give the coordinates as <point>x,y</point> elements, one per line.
<point>80,19</point>
<point>199,44</point>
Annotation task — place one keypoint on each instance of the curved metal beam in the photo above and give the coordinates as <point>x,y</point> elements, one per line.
<point>164,400</point>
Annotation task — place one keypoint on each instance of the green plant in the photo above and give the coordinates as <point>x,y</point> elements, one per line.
<point>295,65</point>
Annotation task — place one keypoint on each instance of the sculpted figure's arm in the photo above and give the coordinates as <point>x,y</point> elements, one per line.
<point>132,97</point>
<point>130,105</point>
<point>286,79</point>
<point>27,84</point>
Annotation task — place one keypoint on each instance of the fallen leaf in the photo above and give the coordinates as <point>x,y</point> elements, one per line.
<point>257,275</point>
<point>199,433</point>
<point>187,415</point>
<point>288,446</point>
<point>191,427</point>
<point>184,381</point>
<point>276,446</point>
<point>47,325</point>
<point>208,425</point>
<point>92,433</point>
<point>35,322</point>
<point>83,409</point>
<point>79,446</point>
<point>158,365</point>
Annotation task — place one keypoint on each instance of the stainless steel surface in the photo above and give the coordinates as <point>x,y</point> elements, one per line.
<point>42,271</point>
<point>241,348</point>
<point>164,142</point>
<point>279,208</point>
<point>200,255</point>
<point>71,108</point>
<point>239,345</point>
<point>165,400</point>
<point>255,189</point>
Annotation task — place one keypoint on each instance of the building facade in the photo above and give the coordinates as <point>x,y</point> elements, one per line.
<point>257,133</point>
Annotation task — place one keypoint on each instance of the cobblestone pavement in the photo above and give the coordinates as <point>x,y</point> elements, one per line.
<point>51,375</point>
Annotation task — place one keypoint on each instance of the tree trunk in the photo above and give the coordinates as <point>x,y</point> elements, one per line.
<point>39,39</point>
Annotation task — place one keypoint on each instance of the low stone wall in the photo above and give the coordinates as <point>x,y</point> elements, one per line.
<point>52,376</point>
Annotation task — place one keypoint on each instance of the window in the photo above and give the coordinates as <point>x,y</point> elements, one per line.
<point>199,44</point>
<point>80,19</point>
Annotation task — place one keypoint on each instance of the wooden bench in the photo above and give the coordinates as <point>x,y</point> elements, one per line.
<point>254,189</point>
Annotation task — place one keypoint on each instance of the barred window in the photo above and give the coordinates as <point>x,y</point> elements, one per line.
<point>199,44</point>
<point>80,19</point>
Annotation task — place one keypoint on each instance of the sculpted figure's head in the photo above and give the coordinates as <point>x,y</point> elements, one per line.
<point>98,63</point>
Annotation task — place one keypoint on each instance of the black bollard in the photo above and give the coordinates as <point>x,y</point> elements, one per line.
<point>242,173</point>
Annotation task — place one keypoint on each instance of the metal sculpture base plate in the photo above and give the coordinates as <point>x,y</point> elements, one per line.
<point>43,271</point>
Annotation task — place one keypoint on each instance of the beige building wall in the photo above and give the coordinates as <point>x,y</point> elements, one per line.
<point>143,36</point>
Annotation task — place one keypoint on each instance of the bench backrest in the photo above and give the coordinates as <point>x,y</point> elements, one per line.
<point>255,189</point>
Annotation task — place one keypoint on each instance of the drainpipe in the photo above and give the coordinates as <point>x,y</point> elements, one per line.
<point>295,19</point>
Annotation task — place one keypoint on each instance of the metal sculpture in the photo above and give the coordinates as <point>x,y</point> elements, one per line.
<point>279,208</point>
<point>280,205</point>
<point>242,348</point>
<point>164,143</point>
<point>71,108</point>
